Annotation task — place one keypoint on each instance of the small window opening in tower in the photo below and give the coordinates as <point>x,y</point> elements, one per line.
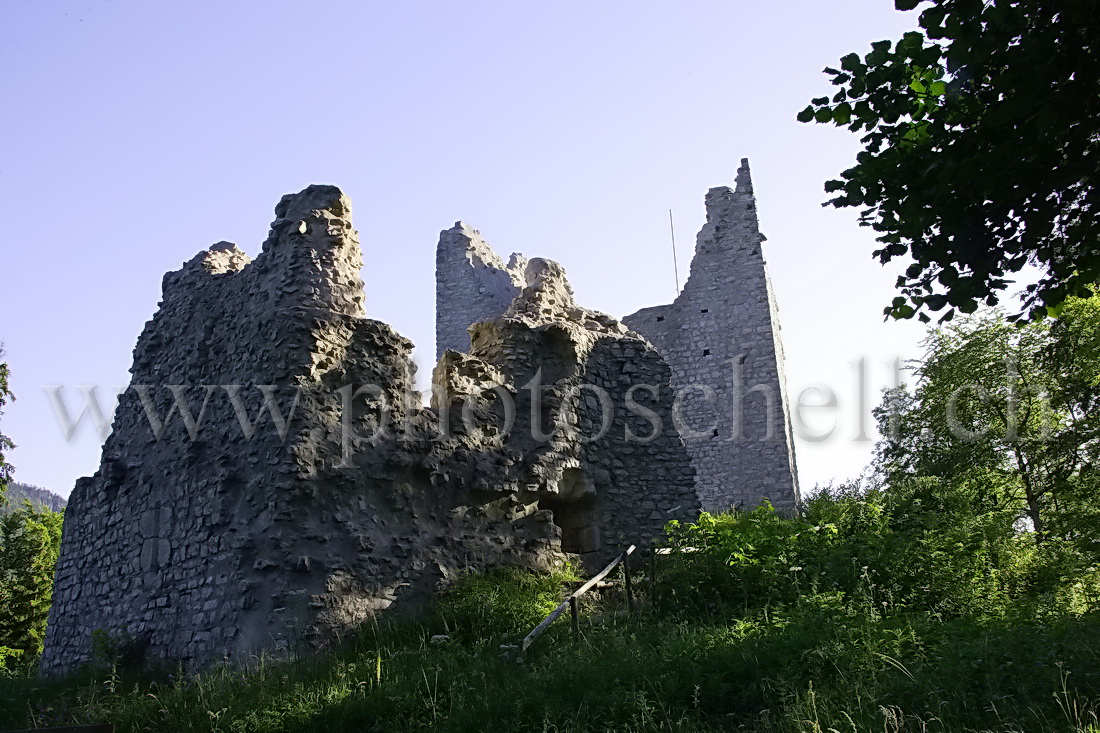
<point>660,318</point>
<point>706,352</point>
<point>705,310</point>
<point>715,433</point>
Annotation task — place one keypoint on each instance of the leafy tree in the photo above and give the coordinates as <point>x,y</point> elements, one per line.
<point>1072,361</point>
<point>5,443</point>
<point>30,540</point>
<point>980,151</point>
<point>984,501</point>
<point>1005,415</point>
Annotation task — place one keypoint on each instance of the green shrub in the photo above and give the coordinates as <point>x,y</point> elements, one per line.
<point>923,548</point>
<point>505,601</point>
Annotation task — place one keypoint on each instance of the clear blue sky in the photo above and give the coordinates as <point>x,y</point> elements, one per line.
<point>135,134</point>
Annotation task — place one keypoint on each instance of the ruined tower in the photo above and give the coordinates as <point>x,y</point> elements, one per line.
<point>721,337</point>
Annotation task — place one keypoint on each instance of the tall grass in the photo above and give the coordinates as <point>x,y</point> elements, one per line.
<point>839,651</point>
<point>814,671</point>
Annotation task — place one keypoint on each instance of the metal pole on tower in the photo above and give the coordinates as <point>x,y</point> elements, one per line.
<point>675,266</point>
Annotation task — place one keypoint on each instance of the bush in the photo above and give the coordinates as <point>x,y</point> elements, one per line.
<point>883,552</point>
<point>506,601</point>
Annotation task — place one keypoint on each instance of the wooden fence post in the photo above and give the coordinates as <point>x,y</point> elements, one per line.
<point>629,587</point>
<point>576,614</point>
<point>653,576</point>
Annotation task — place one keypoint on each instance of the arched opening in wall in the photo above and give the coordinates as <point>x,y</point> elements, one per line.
<point>574,508</point>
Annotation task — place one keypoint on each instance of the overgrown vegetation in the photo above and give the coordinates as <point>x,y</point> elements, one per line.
<point>801,654</point>
<point>30,538</point>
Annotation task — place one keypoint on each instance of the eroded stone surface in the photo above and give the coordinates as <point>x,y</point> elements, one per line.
<point>312,489</point>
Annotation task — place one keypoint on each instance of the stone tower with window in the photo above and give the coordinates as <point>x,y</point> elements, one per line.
<point>721,337</point>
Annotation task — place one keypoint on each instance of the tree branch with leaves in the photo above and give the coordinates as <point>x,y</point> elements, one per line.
<point>980,151</point>
<point>6,445</point>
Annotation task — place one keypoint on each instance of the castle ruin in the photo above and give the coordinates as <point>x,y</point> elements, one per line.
<point>272,477</point>
<point>720,336</point>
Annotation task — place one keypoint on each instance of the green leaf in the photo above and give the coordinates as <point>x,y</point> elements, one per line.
<point>932,18</point>
<point>806,115</point>
<point>880,52</point>
<point>976,147</point>
<point>935,302</point>
<point>850,62</point>
<point>912,40</point>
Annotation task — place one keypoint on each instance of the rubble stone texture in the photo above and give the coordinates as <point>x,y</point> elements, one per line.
<point>310,489</point>
<point>479,285</point>
<point>721,337</point>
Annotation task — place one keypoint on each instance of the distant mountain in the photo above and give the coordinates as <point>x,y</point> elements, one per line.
<point>41,498</point>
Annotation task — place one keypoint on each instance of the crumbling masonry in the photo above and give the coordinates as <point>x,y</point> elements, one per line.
<point>272,477</point>
<point>720,336</point>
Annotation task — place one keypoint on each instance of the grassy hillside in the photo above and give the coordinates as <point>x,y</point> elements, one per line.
<point>768,625</point>
<point>813,670</point>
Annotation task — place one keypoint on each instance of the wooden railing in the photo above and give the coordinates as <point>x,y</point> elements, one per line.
<point>571,602</point>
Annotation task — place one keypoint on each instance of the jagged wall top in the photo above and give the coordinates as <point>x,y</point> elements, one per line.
<point>311,258</point>
<point>472,284</point>
<point>547,296</point>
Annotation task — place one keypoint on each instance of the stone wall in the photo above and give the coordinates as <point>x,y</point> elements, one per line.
<point>472,284</point>
<point>721,337</point>
<point>308,489</point>
<point>609,477</point>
